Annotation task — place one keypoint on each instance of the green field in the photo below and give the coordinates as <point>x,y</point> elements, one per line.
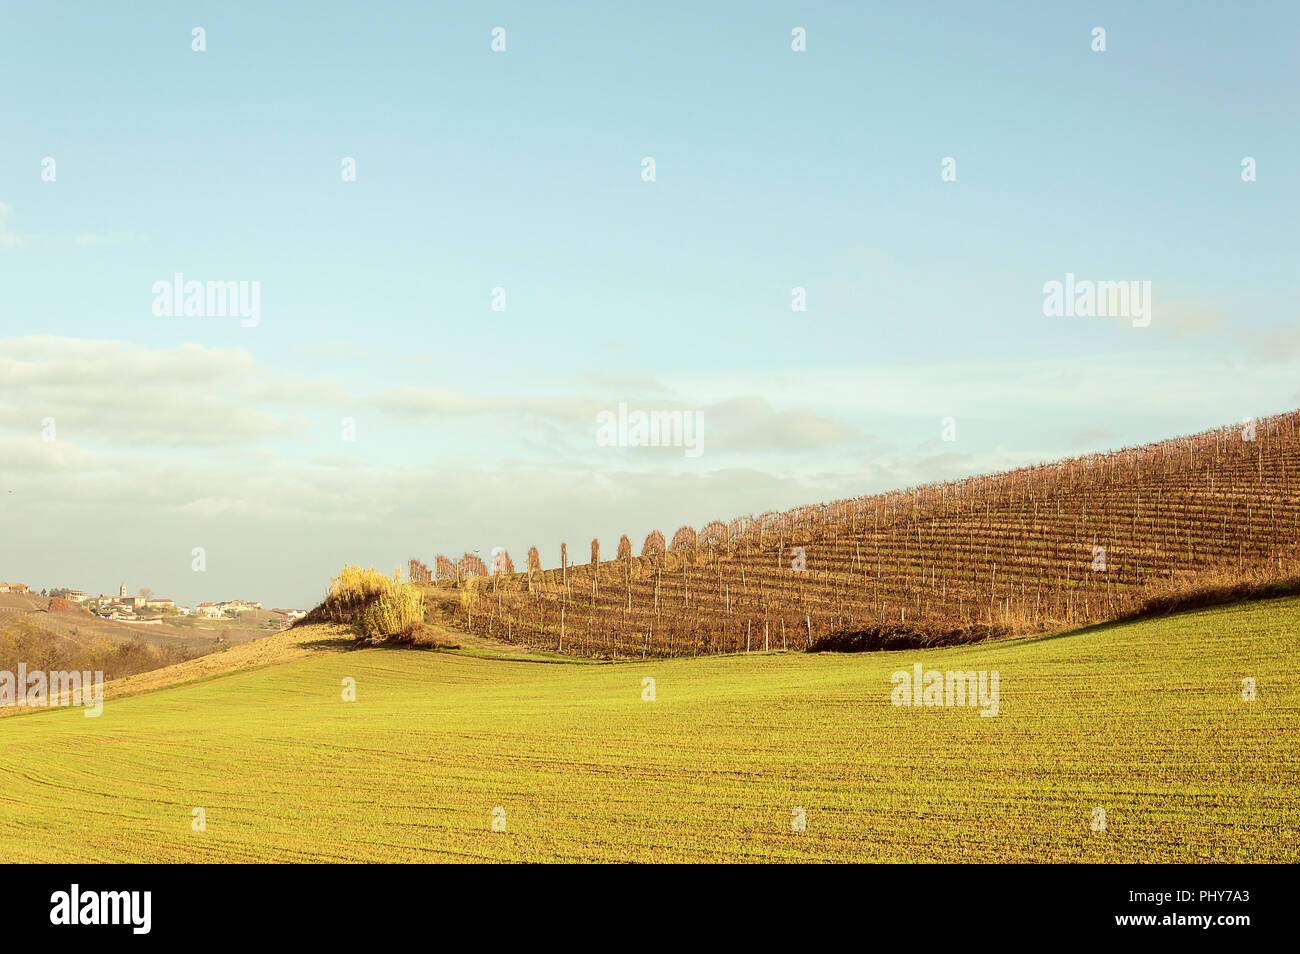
<point>1145,720</point>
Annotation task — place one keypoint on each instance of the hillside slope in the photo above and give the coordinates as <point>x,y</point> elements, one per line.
<point>78,626</point>
<point>1032,550</point>
<point>1144,720</point>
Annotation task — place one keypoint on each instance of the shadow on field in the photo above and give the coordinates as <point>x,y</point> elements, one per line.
<point>1185,598</point>
<point>1270,594</point>
<point>334,644</point>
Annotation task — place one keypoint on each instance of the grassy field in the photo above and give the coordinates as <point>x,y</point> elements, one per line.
<point>1144,719</point>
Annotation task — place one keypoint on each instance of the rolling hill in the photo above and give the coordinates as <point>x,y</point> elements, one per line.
<point>58,635</point>
<point>1084,540</point>
<point>611,712</point>
<point>1146,721</point>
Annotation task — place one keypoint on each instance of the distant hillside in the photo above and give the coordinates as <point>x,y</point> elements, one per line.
<point>49,633</point>
<point>16,604</point>
<point>1080,540</point>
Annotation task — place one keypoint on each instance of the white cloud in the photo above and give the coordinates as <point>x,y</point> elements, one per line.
<point>160,450</point>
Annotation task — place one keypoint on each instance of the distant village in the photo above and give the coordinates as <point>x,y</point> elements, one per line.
<point>124,607</point>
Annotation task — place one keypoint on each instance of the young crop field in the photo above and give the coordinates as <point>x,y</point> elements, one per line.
<point>481,755</point>
<point>1033,550</point>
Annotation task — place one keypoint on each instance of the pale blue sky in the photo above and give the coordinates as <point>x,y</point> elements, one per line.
<point>522,170</point>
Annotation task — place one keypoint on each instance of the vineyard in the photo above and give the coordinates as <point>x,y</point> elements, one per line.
<point>1076,541</point>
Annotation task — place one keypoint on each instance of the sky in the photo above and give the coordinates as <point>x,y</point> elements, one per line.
<point>436,337</point>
